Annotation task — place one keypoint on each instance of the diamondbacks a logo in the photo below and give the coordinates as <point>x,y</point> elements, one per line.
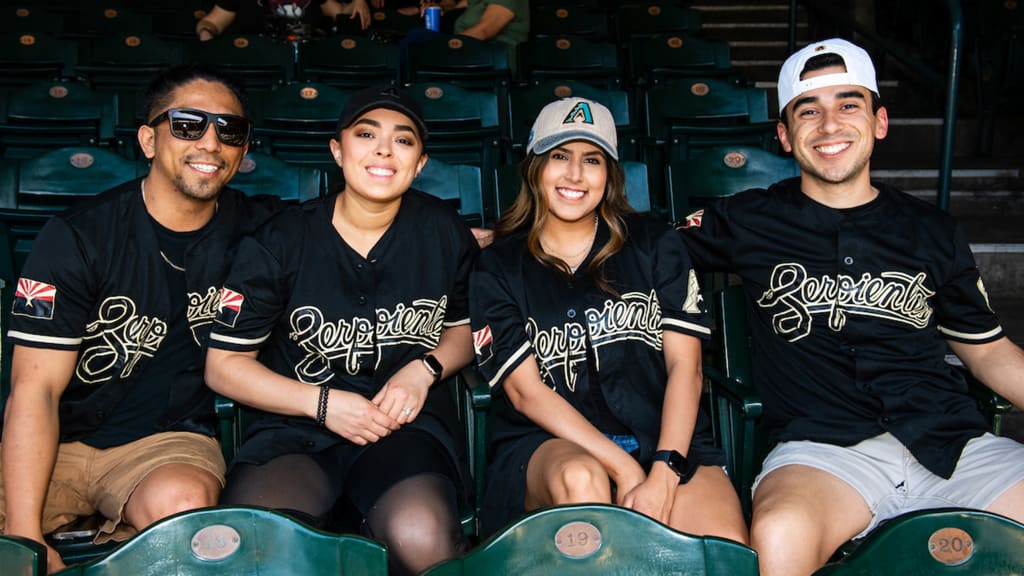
<point>795,298</point>
<point>34,299</point>
<point>482,341</point>
<point>230,307</point>
<point>580,113</point>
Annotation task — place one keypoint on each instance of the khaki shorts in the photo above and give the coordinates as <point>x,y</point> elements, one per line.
<point>893,482</point>
<point>88,480</point>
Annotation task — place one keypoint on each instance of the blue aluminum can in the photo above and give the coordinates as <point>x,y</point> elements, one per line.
<point>432,16</point>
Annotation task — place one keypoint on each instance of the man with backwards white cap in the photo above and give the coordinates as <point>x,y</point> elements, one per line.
<point>853,291</point>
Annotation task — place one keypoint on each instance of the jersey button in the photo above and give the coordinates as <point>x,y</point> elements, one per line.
<point>571,313</point>
<point>101,415</point>
<point>359,266</point>
<point>848,260</point>
<point>362,300</point>
<point>885,419</point>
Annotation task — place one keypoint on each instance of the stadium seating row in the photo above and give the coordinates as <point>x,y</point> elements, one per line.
<point>567,540</point>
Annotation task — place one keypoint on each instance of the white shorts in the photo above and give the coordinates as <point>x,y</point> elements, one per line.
<point>893,482</point>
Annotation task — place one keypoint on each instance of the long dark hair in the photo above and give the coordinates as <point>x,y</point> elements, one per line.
<point>530,211</point>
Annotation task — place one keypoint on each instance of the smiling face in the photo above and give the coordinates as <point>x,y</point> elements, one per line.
<point>832,133</point>
<point>573,181</point>
<point>380,154</point>
<point>198,169</point>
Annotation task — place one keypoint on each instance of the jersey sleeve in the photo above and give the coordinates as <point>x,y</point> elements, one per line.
<point>252,299</point>
<point>499,332</point>
<point>708,237</point>
<point>54,295</point>
<point>961,304</point>
<point>466,249</point>
<point>682,305</point>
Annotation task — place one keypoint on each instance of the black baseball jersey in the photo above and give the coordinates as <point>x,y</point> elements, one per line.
<point>521,307</point>
<point>849,311</point>
<point>95,282</point>
<point>321,313</point>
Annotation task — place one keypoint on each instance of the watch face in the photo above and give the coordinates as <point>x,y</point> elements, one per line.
<point>433,365</point>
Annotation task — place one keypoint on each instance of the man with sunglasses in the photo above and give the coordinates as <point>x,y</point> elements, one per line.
<point>108,411</point>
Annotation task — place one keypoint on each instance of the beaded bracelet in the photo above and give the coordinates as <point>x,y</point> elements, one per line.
<point>321,409</point>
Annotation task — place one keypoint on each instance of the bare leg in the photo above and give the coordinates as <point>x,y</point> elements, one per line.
<point>801,516</point>
<point>1010,503</point>
<point>562,472</point>
<point>708,505</point>
<point>170,489</point>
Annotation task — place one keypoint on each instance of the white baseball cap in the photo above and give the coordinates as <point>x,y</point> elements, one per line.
<point>571,119</point>
<point>859,70</point>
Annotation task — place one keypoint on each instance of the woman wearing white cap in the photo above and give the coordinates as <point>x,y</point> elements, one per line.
<point>587,322</point>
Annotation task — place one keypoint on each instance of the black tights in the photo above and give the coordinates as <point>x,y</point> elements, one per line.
<point>415,517</point>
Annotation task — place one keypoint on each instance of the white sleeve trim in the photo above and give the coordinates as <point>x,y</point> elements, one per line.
<point>700,328</point>
<point>459,322</point>
<point>239,341</point>
<point>968,336</point>
<point>43,339</point>
<point>513,360</point>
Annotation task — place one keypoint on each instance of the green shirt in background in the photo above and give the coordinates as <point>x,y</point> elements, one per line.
<point>517,30</point>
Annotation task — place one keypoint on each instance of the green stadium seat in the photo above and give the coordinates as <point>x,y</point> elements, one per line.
<point>22,556</point>
<point>48,115</point>
<point>937,542</point>
<point>95,21</point>
<point>578,58</point>
<point>649,18</point>
<point>735,405</point>
<point>57,179</point>
<point>568,18</point>
<point>458,184</point>
<point>30,17</point>
<point>264,174</point>
<point>237,540</point>
<point>598,539</point>
<point>464,127</point>
<point>126,60</point>
<point>662,57</point>
<point>29,57</point>
<point>348,62</point>
<point>722,171</point>
<point>296,122</point>
<point>258,61</point>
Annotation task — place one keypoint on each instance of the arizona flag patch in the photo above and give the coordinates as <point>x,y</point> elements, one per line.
<point>230,307</point>
<point>34,299</point>
<point>694,220</point>
<point>482,344</point>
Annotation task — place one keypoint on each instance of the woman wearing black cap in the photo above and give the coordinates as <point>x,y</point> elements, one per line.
<point>356,306</point>
<point>587,322</point>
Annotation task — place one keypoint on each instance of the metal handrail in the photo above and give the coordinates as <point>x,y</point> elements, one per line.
<point>951,81</point>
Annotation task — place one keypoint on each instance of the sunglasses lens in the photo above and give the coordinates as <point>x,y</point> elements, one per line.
<point>232,130</point>
<point>187,125</point>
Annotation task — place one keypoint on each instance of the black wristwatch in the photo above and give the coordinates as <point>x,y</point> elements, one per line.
<point>677,463</point>
<point>433,366</point>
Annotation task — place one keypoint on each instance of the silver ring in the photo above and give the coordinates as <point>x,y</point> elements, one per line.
<point>407,411</point>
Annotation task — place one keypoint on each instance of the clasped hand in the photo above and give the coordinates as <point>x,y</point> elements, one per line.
<point>399,402</point>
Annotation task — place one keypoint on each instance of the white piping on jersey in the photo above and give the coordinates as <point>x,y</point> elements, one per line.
<point>966,336</point>
<point>44,339</point>
<point>500,374</point>
<point>686,325</point>
<point>459,322</point>
<point>239,341</point>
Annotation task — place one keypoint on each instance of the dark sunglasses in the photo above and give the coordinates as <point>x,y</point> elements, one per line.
<point>191,124</point>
